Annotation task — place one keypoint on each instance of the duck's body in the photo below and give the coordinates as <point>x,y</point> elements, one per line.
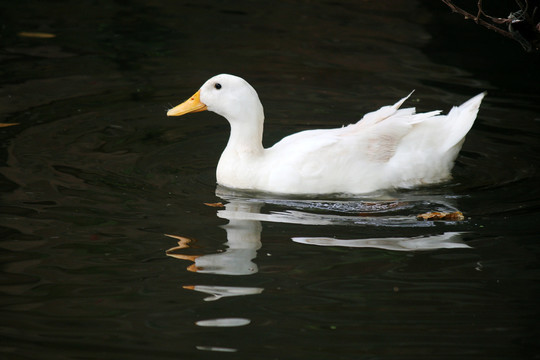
<point>388,148</point>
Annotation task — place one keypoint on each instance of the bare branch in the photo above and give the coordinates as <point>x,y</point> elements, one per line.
<point>478,20</point>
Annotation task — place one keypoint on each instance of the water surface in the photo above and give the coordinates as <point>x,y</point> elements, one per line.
<point>110,252</point>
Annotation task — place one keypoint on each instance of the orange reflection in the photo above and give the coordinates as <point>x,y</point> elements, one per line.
<point>37,35</point>
<point>183,243</point>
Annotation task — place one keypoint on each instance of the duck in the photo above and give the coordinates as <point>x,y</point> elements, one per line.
<point>390,148</point>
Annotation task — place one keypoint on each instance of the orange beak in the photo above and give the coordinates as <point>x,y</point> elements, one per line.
<point>193,104</point>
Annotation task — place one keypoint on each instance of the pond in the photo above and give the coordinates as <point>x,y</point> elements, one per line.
<point>116,242</point>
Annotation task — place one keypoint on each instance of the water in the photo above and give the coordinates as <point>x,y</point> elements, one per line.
<point>108,248</point>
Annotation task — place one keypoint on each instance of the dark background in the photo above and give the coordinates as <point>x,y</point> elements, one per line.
<point>94,174</point>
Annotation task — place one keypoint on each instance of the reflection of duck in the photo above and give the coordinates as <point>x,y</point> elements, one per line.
<point>447,240</point>
<point>244,238</point>
<point>218,292</point>
<point>388,148</point>
<point>240,210</point>
<point>243,241</point>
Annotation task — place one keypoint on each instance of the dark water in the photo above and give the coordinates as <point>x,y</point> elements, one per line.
<point>108,251</point>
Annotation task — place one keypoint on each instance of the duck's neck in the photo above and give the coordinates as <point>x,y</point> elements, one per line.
<point>246,136</point>
<point>239,164</point>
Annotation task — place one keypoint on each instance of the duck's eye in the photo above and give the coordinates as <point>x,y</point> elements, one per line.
<point>217,86</point>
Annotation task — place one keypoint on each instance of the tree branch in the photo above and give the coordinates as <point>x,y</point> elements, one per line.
<point>478,20</point>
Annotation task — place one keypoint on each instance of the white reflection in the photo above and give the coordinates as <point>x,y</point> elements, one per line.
<point>223,322</point>
<point>381,210</point>
<point>216,348</point>
<point>249,211</point>
<point>244,231</point>
<point>243,241</point>
<point>246,212</point>
<point>447,240</point>
<point>219,292</point>
<point>307,218</point>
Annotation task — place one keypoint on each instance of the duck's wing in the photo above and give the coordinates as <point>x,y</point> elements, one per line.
<point>373,139</point>
<point>385,112</point>
<point>393,129</point>
<point>378,132</point>
<point>347,159</point>
<point>390,147</point>
<point>384,130</point>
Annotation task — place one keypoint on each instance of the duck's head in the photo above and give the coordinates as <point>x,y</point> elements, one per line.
<point>227,95</point>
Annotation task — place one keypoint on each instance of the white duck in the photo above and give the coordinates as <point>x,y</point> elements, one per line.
<point>387,148</point>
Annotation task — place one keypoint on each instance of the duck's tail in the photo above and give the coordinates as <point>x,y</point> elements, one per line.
<point>459,121</point>
<point>430,149</point>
